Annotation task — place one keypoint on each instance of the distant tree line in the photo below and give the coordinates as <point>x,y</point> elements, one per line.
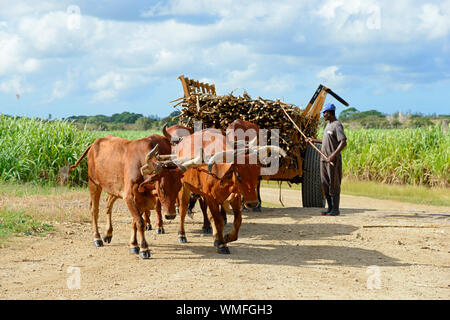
<point>351,117</point>
<point>123,121</point>
<point>354,118</point>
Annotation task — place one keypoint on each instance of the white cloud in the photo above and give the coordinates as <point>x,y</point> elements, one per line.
<point>14,86</point>
<point>254,44</point>
<point>403,86</point>
<point>110,85</point>
<point>387,68</point>
<point>104,95</point>
<point>434,22</point>
<point>331,77</point>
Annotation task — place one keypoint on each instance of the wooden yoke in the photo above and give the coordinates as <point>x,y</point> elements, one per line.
<point>192,87</point>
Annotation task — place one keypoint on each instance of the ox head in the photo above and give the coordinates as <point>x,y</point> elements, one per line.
<point>246,176</point>
<point>164,178</point>
<point>177,135</point>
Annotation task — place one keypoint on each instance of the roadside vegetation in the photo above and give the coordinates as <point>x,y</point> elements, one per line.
<point>33,151</point>
<point>405,193</point>
<point>16,223</point>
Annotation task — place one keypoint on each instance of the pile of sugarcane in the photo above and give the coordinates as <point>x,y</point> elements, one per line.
<point>220,111</point>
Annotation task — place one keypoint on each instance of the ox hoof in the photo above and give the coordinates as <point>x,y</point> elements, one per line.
<point>107,239</point>
<point>98,243</point>
<point>134,250</point>
<point>257,209</point>
<point>160,231</point>
<point>144,254</point>
<point>206,230</point>
<point>223,250</point>
<point>170,216</point>
<point>182,239</point>
<point>216,243</point>
<point>148,227</point>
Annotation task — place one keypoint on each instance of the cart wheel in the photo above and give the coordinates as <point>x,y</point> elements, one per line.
<point>312,195</point>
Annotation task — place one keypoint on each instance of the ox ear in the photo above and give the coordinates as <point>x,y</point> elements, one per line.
<point>148,183</point>
<point>222,170</point>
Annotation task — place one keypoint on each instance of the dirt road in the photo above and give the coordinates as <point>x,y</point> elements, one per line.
<point>281,253</point>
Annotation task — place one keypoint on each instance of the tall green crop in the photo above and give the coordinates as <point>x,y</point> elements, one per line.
<point>34,150</point>
<point>407,156</point>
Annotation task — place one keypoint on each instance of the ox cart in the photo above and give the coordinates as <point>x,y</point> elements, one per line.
<point>201,103</point>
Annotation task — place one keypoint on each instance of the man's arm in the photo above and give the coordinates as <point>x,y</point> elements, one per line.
<point>308,140</point>
<point>340,147</point>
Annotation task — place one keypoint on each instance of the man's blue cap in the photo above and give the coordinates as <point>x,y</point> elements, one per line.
<point>329,107</point>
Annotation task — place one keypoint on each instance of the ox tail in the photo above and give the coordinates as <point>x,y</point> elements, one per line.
<point>63,174</point>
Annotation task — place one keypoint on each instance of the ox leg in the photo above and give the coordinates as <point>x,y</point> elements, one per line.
<point>95,192</point>
<point>206,229</point>
<point>184,197</point>
<point>258,187</point>
<point>236,205</point>
<point>192,200</point>
<point>134,248</point>
<point>147,222</point>
<point>223,212</point>
<point>109,228</point>
<point>218,224</point>
<point>159,220</point>
<point>137,226</point>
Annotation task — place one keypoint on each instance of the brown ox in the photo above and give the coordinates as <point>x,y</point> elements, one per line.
<point>239,133</point>
<point>175,134</point>
<point>126,169</point>
<point>216,182</point>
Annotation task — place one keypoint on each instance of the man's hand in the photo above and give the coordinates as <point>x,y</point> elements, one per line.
<point>312,140</point>
<point>331,158</point>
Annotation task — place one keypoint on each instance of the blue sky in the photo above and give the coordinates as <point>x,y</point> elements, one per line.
<point>120,56</point>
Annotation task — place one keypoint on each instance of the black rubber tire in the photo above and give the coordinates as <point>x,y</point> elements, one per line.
<point>312,195</point>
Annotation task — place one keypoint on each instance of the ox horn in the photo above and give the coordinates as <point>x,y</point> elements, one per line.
<point>149,168</point>
<point>165,133</point>
<point>165,157</point>
<point>220,155</point>
<point>185,164</point>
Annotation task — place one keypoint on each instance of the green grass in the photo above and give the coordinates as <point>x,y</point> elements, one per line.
<point>405,193</point>
<point>8,188</point>
<point>129,134</point>
<point>14,223</point>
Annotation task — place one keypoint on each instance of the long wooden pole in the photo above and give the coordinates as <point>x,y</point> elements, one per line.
<point>312,144</point>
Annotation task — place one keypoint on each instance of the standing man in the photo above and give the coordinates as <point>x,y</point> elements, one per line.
<point>333,142</point>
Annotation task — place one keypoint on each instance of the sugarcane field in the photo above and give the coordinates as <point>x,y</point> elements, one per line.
<point>211,152</point>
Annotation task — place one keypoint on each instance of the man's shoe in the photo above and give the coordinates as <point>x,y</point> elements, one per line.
<point>335,211</point>
<point>330,207</point>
